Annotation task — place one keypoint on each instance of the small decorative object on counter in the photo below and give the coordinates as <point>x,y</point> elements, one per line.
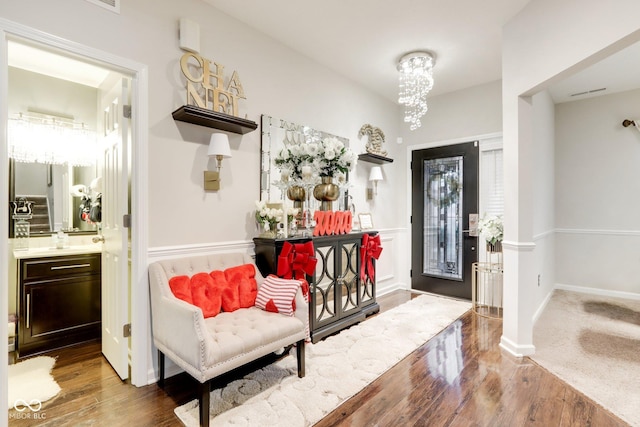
<point>267,219</point>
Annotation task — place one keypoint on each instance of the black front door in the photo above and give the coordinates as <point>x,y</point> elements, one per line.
<point>444,193</point>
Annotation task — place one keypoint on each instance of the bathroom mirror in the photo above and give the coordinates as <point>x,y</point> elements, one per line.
<point>274,133</point>
<point>48,187</point>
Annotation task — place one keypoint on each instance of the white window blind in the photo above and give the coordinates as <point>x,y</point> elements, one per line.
<point>491,183</point>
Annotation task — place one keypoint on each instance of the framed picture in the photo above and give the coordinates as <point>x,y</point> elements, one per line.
<point>366,222</point>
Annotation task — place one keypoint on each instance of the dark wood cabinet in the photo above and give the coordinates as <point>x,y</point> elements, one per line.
<point>59,302</point>
<point>339,296</point>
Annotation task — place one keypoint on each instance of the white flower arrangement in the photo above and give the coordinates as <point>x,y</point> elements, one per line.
<point>491,228</point>
<point>293,157</point>
<point>292,213</point>
<point>267,216</point>
<point>333,157</point>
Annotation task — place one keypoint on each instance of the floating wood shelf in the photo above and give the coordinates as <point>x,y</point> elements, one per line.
<point>213,119</point>
<point>374,158</point>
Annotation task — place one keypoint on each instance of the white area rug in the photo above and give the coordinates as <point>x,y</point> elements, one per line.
<point>336,369</point>
<point>593,343</point>
<point>31,383</point>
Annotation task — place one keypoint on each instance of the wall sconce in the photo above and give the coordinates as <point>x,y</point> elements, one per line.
<point>374,176</point>
<point>218,148</point>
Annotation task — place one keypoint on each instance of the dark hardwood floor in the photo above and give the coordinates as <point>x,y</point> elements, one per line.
<point>459,378</point>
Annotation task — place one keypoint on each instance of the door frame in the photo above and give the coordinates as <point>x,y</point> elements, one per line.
<point>139,185</point>
<point>490,141</point>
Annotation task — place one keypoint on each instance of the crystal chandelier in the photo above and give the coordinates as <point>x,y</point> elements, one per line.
<point>416,80</point>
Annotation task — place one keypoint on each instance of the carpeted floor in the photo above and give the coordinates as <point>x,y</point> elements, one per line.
<point>593,343</point>
<point>31,383</point>
<point>336,369</point>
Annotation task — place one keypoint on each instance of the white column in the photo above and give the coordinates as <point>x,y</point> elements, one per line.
<point>518,247</point>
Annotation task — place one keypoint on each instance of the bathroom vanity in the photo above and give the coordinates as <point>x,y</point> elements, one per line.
<point>59,301</point>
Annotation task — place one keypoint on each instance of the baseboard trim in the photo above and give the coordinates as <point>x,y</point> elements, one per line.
<point>542,306</point>
<point>515,349</point>
<point>600,292</point>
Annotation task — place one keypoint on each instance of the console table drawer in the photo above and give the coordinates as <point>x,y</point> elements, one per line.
<point>51,268</point>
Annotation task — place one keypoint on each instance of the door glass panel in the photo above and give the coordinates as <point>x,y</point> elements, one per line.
<point>442,222</point>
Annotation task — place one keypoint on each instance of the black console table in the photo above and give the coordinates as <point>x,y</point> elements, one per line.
<point>339,296</point>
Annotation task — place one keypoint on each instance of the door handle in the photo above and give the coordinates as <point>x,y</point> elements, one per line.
<point>473,225</point>
<point>97,239</point>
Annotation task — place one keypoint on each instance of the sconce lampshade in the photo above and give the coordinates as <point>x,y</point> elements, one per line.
<point>219,146</point>
<point>375,174</point>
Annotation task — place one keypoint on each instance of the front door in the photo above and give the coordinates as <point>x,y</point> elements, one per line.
<point>444,194</point>
<point>115,204</point>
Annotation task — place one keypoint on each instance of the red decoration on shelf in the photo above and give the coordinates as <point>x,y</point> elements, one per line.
<point>370,249</point>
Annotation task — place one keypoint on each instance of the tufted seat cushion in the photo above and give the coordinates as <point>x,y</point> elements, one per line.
<point>233,335</point>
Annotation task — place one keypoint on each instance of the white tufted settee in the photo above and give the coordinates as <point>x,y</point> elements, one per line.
<point>207,348</point>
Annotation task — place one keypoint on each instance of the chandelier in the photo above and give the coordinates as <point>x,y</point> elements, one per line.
<point>35,138</point>
<point>416,80</point>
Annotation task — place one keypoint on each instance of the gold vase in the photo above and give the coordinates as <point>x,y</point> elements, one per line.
<point>298,195</point>
<point>494,247</point>
<point>326,192</point>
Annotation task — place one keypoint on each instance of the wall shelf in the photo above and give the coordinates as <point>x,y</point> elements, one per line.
<point>374,158</point>
<point>213,119</point>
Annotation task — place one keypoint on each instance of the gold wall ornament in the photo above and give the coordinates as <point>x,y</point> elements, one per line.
<point>375,139</point>
<point>206,85</point>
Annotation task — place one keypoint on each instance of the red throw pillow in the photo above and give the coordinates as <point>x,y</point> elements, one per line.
<point>244,276</point>
<point>229,291</point>
<point>277,295</point>
<point>205,294</point>
<point>181,288</point>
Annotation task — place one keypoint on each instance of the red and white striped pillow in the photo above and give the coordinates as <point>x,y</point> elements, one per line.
<point>277,295</point>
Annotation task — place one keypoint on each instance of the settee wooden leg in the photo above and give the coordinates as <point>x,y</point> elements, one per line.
<point>300,355</point>
<point>204,400</point>
<point>161,368</point>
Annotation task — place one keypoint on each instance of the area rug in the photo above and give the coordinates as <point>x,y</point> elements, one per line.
<point>31,382</point>
<point>593,343</point>
<point>336,369</point>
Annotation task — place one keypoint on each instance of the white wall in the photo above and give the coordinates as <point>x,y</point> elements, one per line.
<point>598,180</point>
<point>544,195</point>
<point>544,43</point>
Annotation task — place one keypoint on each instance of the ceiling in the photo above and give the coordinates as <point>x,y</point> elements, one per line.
<point>55,65</point>
<point>364,44</point>
<point>363,41</point>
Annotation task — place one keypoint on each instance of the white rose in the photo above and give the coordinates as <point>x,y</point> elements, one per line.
<point>329,154</point>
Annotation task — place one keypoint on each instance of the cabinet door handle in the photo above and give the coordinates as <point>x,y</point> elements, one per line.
<point>65,267</point>
<point>28,311</point>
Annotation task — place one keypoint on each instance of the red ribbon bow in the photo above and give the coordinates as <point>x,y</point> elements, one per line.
<point>370,249</point>
<point>296,261</point>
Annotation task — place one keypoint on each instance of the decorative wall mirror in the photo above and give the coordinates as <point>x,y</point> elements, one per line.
<point>274,133</point>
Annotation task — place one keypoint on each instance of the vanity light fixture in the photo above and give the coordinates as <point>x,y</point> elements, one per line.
<point>218,148</point>
<point>374,176</point>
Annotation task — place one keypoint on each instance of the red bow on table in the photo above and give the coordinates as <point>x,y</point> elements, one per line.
<point>296,261</point>
<point>370,249</point>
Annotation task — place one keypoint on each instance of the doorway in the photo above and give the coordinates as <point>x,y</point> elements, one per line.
<point>444,195</point>
<point>45,83</point>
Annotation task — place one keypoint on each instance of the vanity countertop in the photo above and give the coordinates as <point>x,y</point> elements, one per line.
<point>49,252</point>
